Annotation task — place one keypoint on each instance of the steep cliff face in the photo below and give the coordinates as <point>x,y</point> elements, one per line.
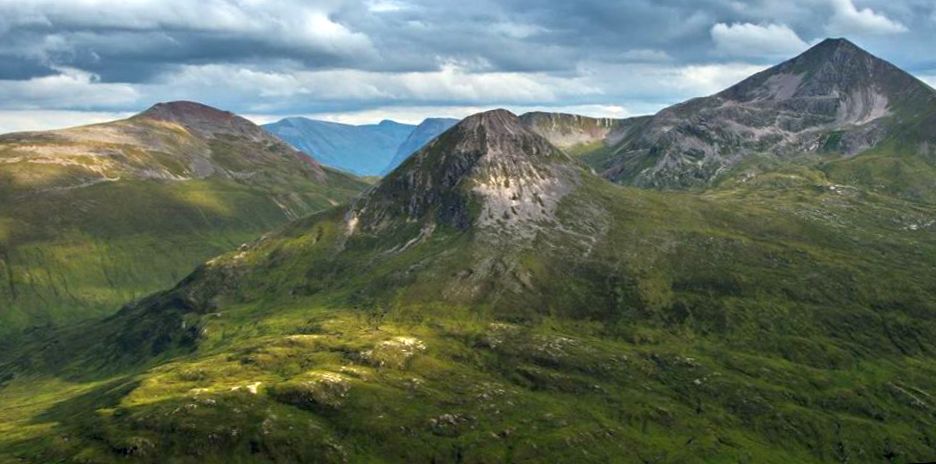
<point>834,98</point>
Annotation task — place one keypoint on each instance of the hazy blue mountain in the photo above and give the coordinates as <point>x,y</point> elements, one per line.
<point>427,130</point>
<point>363,150</point>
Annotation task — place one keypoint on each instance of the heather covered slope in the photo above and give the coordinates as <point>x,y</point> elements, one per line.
<point>492,300</point>
<point>834,100</point>
<point>93,217</point>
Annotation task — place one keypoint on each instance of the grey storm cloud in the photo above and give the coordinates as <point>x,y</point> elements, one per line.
<point>334,56</point>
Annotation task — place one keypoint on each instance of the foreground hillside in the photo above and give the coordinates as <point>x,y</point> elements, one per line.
<point>491,300</point>
<point>96,216</point>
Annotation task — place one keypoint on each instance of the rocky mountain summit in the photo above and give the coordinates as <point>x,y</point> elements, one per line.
<point>490,161</point>
<point>835,98</point>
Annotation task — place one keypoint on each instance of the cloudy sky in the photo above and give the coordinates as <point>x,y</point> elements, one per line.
<point>67,62</point>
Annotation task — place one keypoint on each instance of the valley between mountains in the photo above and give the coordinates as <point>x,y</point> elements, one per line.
<point>744,277</point>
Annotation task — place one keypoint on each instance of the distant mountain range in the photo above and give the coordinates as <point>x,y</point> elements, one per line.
<point>366,150</point>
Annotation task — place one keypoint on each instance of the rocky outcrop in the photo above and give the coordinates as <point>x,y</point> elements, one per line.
<point>488,170</point>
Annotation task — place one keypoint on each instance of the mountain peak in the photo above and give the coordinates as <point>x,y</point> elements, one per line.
<point>496,119</point>
<point>837,43</point>
<point>182,110</point>
<point>203,119</point>
<point>836,52</point>
<point>835,69</point>
<point>489,168</point>
<point>834,97</point>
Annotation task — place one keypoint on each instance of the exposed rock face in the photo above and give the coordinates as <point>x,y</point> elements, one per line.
<point>835,97</point>
<point>489,170</point>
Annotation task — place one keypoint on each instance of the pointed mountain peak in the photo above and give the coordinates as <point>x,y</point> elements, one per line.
<point>837,44</point>
<point>841,53</point>
<point>835,69</point>
<point>495,120</point>
<point>489,168</point>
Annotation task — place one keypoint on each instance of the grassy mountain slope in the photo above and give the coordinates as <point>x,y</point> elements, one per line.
<point>95,216</point>
<point>493,301</point>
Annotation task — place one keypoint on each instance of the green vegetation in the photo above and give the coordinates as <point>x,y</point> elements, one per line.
<point>94,217</point>
<point>776,319</point>
<point>493,301</point>
<point>70,255</point>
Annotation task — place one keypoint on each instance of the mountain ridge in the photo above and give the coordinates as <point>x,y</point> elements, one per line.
<point>834,98</point>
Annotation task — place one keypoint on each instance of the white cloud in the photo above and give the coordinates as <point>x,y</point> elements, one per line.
<point>447,84</point>
<point>644,55</point>
<point>756,40</point>
<point>712,78</point>
<point>386,6</point>
<point>33,120</point>
<point>848,19</point>
<point>515,30</point>
<point>306,26</point>
<point>70,88</point>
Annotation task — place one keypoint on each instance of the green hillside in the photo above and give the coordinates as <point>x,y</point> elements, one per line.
<point>493,301</point>
<point>94,217</point>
